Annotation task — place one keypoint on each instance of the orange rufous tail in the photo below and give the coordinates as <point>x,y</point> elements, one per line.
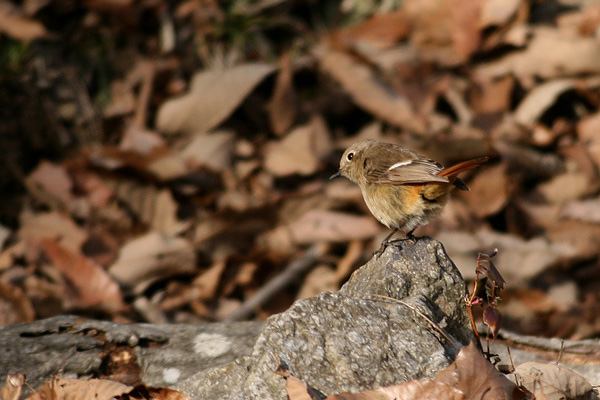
<point>452,172</point>
<point>456,169</point>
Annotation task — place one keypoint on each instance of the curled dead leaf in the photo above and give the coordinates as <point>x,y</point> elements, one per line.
<point>322,225</point>
<point>587,129</point>
<point>213,96</point>
<point>474,376</point>
<point>565,187</point>
<point>13,385</point>
<point>382,30</point>
<point>153,207</point>
<point>299,152</point>
<point>52,225</point>
<point>283,104</point>
<point>15,305</point>
<point>552,381</point>
<point>369,92</point>
<point>18,26</point>
<point>445,31</point>
<point>94,287</point>
<point>489,191</point>
<point>525,260</point>
<point>151,257</point>
<point>212,151</point>
<point>539,99</point>
<point>54,180</point>
<point>549,54</point>
<point>63,388</point>
<point>584,210</point>
<point>498,12</point>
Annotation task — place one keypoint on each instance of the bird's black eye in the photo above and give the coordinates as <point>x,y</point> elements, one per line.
<point>350,156</point>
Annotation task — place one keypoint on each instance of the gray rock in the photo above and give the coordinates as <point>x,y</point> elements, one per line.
<point>424,269</point>
<point>358,338</point>
<point>77,347</point>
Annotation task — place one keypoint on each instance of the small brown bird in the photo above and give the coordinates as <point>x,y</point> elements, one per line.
<point>403,189</point>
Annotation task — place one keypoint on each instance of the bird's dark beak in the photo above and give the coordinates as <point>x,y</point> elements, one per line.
<point>339,173</point>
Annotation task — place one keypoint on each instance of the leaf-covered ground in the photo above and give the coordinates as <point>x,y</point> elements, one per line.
<point>165,161</point>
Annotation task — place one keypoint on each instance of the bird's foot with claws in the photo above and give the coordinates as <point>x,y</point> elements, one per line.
<point>410,238</point>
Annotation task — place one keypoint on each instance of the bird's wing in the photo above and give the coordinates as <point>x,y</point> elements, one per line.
<point>405,170</point>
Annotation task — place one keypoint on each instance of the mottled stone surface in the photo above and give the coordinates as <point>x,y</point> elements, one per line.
<point>360,337</point>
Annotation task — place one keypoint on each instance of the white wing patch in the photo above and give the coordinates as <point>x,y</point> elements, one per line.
<point>399,164</point>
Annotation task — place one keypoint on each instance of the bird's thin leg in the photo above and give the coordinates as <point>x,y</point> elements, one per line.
<point>388,238</point>
<point>385,243</point>
<point>409,237</point>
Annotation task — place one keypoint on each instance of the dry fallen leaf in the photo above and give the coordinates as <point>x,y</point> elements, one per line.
<point>164,218</point>
<point>489,191</point>
<point>151,257</point>
<point>498,12</point>
<point>445,31</point>
<point>421,389</point>
<point>160,161</point>
<point>382,30</point>
<point>11,253</point>
<point>525,302</point>
<point>141,141</point>
<point>413,390</point>
<point>52,225</point>
<point>519,260</point>
<point>13,385</point>
<point>94,287</point>
<point>583,21</point>
<point>539,99</point>
<point>552,382</point>
<point>565,187</point>
<point>207,282</point>
<point>75,389</point>
<point>18,26</point>
<point>322,225</point>
<point>584,210</point>
<point>167,167</point>
<point>549,54</point>
<point>4,235</point>
<point>474,376</point>
<point>54,180</point>
<point>96,189</point>
<point>283,104</point>
<point>122,100</point>
<point>494,96</point>
<point>213,96</point>
<point>294,154</point>
<point>528,161</point>
<point>15,306</point>
<point>297,389</point>
<point>587,129</point>
<point>581,236</point>
<point>369,92</point>
<point>143,392</point>
<point>154,207</point>
<point>212,151</point>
